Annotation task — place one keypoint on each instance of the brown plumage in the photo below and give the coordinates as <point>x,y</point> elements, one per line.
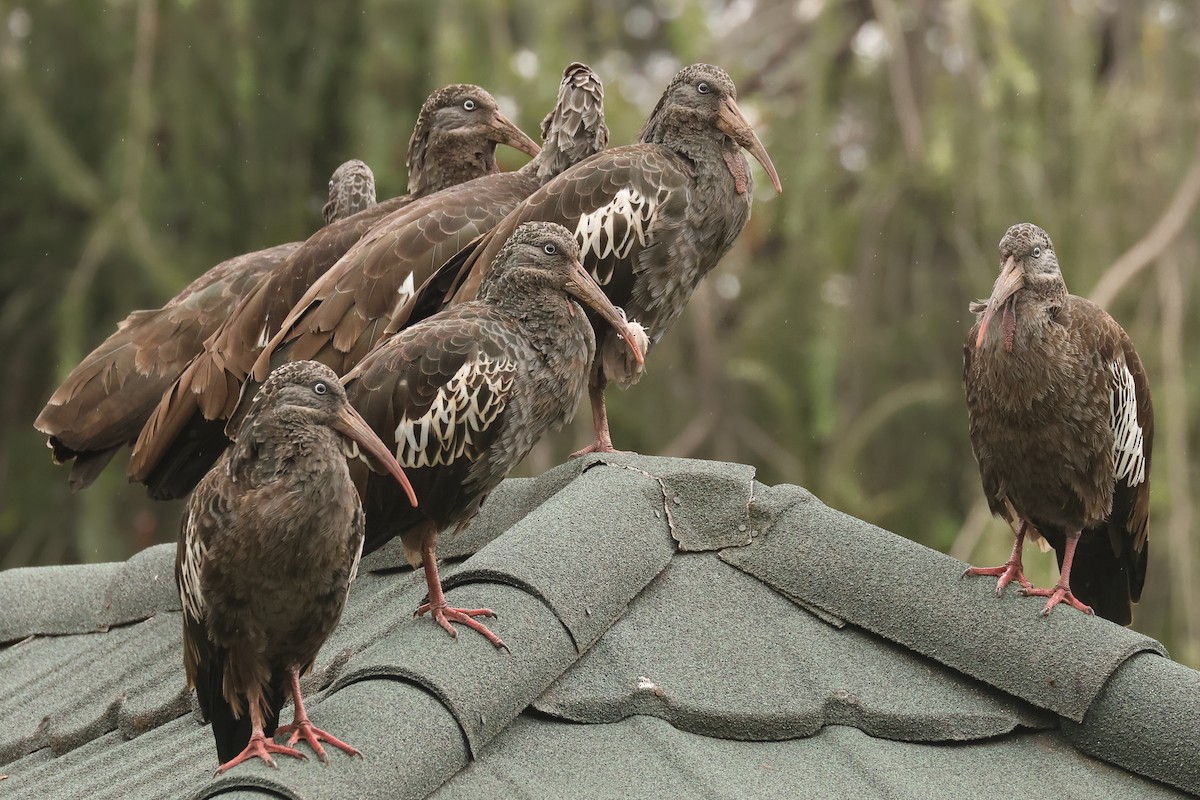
<point>343,315</point>
<point>454,141</point>
<point>103,404</point>
<point>267,551</point>
<point>1062,427</point>
<point>652,219</point>
<point>463,396</point>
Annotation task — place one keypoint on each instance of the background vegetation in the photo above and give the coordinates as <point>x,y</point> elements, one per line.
<point>142,141</point>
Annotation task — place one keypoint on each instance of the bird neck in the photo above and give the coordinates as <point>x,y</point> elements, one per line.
<point>572,131</point>
<point>273,444</point>
<point>713,156</point>
<point>1037,324</point>
<point>448,159</point>
<point>353,194</point>
<point>547,318</point>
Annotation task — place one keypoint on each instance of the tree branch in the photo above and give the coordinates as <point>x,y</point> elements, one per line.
<point>72,176</point>
<point>1172,222</point>
<point>1173,410</point>
<point>904,97</point>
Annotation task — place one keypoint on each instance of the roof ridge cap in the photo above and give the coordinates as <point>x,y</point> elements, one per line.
<point>913,595</point>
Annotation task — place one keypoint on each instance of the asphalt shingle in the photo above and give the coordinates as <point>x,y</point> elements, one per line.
<point>1146,719</point>
<point>914,596</point>
<point>101,596</point>
<point>565,552</point>
<point>646,757</point>
<point>715,652</point>
<point>658,649</point>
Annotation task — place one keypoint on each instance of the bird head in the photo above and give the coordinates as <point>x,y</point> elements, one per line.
<point>461,118</point>
<point>546,254</point>
<point>351,189</point>
<point>313,393</point>
<point>706,94</point>
<point>1028,259</point>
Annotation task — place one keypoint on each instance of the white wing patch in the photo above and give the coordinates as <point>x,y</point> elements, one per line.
<point>613,229</point>
<point>465,406</point>
<point>357,560</point>
<point>1129,456</point>
<point>194,552</point>
<point>406,291</point>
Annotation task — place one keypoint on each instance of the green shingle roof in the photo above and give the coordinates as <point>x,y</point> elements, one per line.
<point>676,630</point>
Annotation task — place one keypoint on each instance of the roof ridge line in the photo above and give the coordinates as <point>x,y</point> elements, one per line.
<point>914,596</point>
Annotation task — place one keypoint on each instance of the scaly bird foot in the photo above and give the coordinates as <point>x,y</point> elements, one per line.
<point>1059,594</point>
<point>313,736</point>
<point>260,747</point>
<point>1007,573</point>
<point>598,446</point>
<point>444,615</point>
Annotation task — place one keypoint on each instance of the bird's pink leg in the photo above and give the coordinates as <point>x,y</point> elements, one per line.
<point>1062,590</point>
<point>444,614</point>
<point>259,745</point>
<point>302,728</point>
<point>1010,570</point>
<point>603,443</point>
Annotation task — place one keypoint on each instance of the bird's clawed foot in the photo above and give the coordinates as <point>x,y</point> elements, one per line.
<point>444,615</point>
<point>1059,594</point>
<point>1007,573</point>
<point>313,736</point>
<point>604,445</point>
<point>260,747</point>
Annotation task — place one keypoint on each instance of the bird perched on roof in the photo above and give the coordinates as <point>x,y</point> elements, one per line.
<point>103,404</point>
<point>652,219</point>
<point>267,551</point>
<point>463,396</point>
<point>1062,427</point>
<point>454,141</point>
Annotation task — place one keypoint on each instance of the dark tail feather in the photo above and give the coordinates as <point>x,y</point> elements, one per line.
<point>88,466</point>
<point>231,733</point>
<point>189,458</point>
<point>1104,580</point>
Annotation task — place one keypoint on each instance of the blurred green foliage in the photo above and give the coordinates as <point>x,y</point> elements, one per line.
<point>142,142</point>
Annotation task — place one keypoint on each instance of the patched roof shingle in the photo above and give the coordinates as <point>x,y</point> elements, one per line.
<point>677,629</point>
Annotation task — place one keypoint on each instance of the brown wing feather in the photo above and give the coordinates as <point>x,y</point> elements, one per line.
<point>239,341</point>
<point>589,199</point>
<point>1131,501</point>
<point>107,399</point>
<point>178,443</point>
<point>340,317</point>
<point>208,512</point>
<point>437,395</point>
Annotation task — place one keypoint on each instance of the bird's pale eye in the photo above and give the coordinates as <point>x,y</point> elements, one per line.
<point>469,105</point>
<point>1037,251</point>
<point>550,248</point>
<point>320,388</point>
<point>702,88</point>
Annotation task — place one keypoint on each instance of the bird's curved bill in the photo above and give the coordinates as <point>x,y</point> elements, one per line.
<point>503,131</point>
<point>731,122</point>
<point>350,423</point>
<point>585,289</point>
<point>1011,279</point>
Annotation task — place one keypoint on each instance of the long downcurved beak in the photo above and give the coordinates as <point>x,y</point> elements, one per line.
<point>350,424</point>
<point>731,122</point>
<point>502,130</point>
<point>585,289</point>
<point>1012,278</point>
